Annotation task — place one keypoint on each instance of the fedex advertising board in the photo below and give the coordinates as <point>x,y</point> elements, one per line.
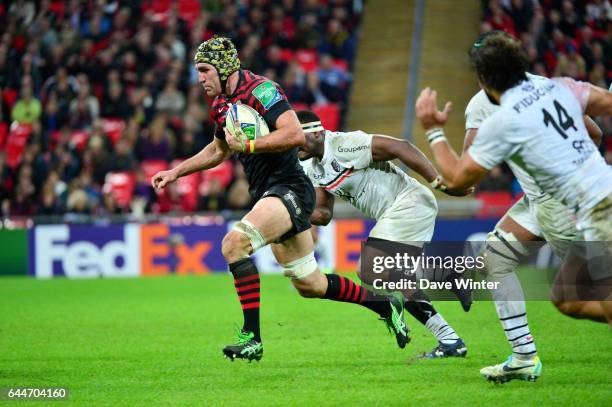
<point>81,251</point>
<point>130,250</point>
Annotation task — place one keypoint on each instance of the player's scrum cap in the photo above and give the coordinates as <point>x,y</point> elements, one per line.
<point>312,127</point>
<point>221,53</point>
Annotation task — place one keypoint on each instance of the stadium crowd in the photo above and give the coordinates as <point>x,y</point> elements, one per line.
<point>561,38</point>
<point>98,95</point>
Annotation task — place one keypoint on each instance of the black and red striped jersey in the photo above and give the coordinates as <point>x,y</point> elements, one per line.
<point>267,97</point>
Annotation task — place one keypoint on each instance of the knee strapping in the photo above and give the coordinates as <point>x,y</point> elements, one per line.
<point>300,268</point>
<point>252,234</point>
<point>503,253</point>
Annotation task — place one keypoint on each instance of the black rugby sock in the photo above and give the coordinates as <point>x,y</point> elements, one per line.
<point>246,281</point>
<point>346,290</point>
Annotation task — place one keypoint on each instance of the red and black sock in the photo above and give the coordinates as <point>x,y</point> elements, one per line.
<point>346,290</point>
<point>246,281</point>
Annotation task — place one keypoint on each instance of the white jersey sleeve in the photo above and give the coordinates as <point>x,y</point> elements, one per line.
<point>478,110</point>
<point>352,149</point>
<point>580,90</point>
<point>494,142</point>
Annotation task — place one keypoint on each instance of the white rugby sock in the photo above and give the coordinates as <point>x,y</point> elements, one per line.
<point>443,332</point>
<point>510,305</point>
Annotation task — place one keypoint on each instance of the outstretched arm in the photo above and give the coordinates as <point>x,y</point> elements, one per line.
<point>458,172</point>
<point>210,156</point>
<point>385,148</point>
<point>599,102</point>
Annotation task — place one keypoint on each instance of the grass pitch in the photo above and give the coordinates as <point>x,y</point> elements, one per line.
<point>158,341</point>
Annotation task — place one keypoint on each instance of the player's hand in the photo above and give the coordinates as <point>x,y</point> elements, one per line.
<point>163,178</point>
<point>233,142</point>
<point>459,192</point>
<point>427,110</point>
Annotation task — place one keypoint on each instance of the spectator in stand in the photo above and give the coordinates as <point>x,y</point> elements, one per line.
<point>93,191</point>
<point>5,69</point>
<point>307,35</point>
<point>115,103</point>
<point>521,13</point>
<point>238,196</point>
<point>598,75</point>
<point>28,109</point>
<point>123,158</point>
<point>187,146</point>
<point>337,41</point>
<point>112,60</point>
<point>571,64</point>
<point>51,118</point>
<point>213,199</point>
<point>170,101</point>
<point>334,81</point>
<point>313,94</point>
<point>99,155</point>
<point>54,181</point>
<point>155,144</point>
<point>24,203</point>
<point>83,110</point>
<point>48,205</point>
<point>570,20</point>
<point>29,68</point>
<point>65,87</point>
<point>143,191</point>
<point>77,203</point>
<point>293,82</point>
<point>499,20</point>
<point>109,206</point>
<point>250,54</point>
<point>6,178</point>
<point>275,62</point>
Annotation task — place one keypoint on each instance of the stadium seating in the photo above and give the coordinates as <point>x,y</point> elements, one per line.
<point>494,203</point>
<point>136,49</point>
<point>113,128</point>
<point>187,188</point>
<point>329,114</point>
<point>16,143</point>
<point>79,139</point>
<point>121,186</point>
<point>3,135</point>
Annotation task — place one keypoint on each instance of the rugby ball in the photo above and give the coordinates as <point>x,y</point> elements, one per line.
<point>247,120</point>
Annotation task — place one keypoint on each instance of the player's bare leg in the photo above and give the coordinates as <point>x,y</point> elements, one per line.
<point>266,222</point>
<point>564,293</point>
<point>297,258</point>
<point>501,259</point>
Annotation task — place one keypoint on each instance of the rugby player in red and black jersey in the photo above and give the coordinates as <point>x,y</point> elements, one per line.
<point>284,194</point>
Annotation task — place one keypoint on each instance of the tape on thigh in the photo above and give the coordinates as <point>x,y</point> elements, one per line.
<point>252,233</point>
<point>300,268</point>
<point>503,253</point>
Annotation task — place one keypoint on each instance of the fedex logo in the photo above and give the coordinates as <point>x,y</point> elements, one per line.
<point>79,251</point>
<point>181,249</point>
<point>125,250</point>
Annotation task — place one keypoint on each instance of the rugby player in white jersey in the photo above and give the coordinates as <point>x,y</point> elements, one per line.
<point>356,166</point>
<point>536,216</point>
<point>539,127</point>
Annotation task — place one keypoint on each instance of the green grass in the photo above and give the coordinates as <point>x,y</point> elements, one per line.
<point>159,340</point>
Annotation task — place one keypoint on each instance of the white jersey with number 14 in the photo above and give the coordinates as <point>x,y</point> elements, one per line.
<point>540,128</point>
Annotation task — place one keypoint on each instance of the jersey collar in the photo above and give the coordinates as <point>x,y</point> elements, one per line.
<point>240,80</point>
